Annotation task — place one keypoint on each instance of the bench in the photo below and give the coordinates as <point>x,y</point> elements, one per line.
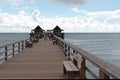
<point>36,40</point>
<point>54,41</point>
<point>70,67</point>
<point>29,44</point>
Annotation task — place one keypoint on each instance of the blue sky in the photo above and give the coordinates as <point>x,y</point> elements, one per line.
<point>81,13</point>
<point>50,8</point>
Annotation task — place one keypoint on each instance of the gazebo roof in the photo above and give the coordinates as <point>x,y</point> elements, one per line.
<point>38,28</point>
<point>58,28</point>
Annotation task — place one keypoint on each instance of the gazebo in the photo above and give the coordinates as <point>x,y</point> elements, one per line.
<point>58,32</point>
<point>38,31</point>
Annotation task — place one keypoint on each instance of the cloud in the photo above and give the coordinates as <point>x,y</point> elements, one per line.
<point>112,14</point>
<point>17,4</point>
<point>75,9</point>
<point>99,15</point>
<point>87,23</point>
<point>22,12</point>
<point>70,2</point>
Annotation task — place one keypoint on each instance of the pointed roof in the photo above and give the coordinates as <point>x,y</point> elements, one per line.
<point>58,28</point>
<point>38,28</point>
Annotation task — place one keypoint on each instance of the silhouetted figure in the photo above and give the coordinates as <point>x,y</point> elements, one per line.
<point>31,36</point>
<point>45,36</point>
<point>50,36</point>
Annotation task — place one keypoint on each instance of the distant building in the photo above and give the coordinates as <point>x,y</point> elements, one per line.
<point>38,31</point>
<point>58,32</point>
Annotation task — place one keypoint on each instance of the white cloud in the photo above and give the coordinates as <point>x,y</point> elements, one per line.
<point>112,14</point>
<point>75,9</point>
<point>17,4</point>
<point>91,22</point>
<point>36,15</point>
<point>22,12</point>
<point>101,20</point>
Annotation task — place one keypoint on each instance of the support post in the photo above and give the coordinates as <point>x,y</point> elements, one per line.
<point>65,52</point>
<point>26,44</point>
<point>102,75</point>
<point>83,69</point>
<point>22,45</point>
<point>69,53</point>
<point>18,47</point>
<point>6,53</point>
<point>13,49</point>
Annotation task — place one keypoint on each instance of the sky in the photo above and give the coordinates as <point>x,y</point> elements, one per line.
<point>70,15</point>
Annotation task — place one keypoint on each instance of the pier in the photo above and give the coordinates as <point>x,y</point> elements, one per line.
<point>42,61</point>
<point>45,60</point>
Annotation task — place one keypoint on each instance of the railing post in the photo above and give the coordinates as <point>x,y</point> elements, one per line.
<point>102,75</point>
<point>74,61</point>
<point>65,49</point>
<point>74,52</point>
<point>83,69</point>
<point>6,53</point>
<point>60,44</point>
<point>22,45</point>
<point>26,44</point>
<point>18,47</point>
<point>69,53</point>
<point>63,46</point>
<point>13,49</point>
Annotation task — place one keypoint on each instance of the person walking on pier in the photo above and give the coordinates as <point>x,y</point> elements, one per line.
<point>45,36</point>
<point>50,36</point>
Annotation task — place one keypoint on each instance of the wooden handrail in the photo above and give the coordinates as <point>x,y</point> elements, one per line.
<point>108,69</point>
<point>13,42</point>
<point>20,46</point>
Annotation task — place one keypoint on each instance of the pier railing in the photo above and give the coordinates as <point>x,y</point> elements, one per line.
<point>93,66</point>
<point>9,50</point>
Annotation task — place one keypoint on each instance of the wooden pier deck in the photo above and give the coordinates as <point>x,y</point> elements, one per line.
<point>42,61</point>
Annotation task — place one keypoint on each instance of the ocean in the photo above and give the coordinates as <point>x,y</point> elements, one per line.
<point>6,38</point>
<point>103,45</point>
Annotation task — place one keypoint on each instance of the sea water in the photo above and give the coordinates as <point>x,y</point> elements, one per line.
<point>104,45</point>
<point>6,38</point>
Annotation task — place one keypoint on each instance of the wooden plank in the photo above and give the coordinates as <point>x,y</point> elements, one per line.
<point>74,68</point>
<point>42,61</point>
<point>67,66</point>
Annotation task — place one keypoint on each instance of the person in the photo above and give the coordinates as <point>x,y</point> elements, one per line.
<point>31,36</point>
<point>45,36</point>
<point>50,36</point>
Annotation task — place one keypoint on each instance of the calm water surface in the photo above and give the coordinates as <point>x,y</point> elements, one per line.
<point>103,45</point>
